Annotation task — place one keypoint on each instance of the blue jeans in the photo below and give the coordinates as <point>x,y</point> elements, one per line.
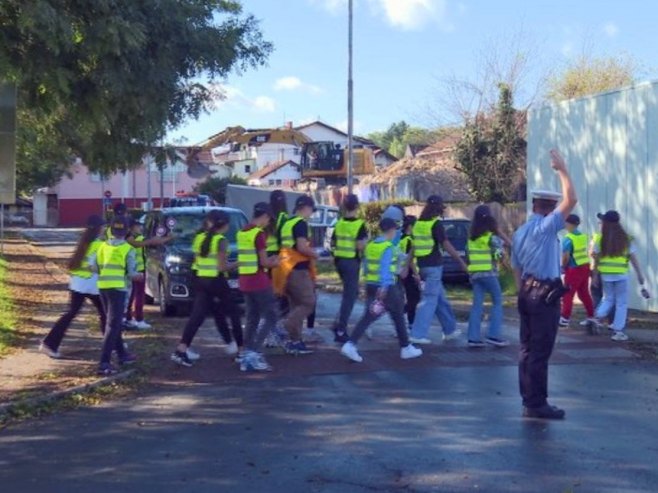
<point>482,286</point>
<point>615,295</point>
<point>433,302</point>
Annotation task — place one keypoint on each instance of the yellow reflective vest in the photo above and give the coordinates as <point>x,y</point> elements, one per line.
<point>141,265</point>
<point>373,255</point>
<point>480,255</point>
<point>346,233</point>
<point>579,243</point>
<point>83,271</point>
<point>287,240</point>
<point>273,239</point>
<point>247,253</point>
<point>423,240</point>
<point>613,265</point>
<point>207,266</point>
<point>112,263</point>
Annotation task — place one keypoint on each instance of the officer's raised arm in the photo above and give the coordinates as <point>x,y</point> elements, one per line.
<point>569,198</point>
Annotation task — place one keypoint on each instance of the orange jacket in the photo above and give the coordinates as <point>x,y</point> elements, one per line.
<point>289,258</point>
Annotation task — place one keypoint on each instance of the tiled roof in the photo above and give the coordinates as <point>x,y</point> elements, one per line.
<point>271,168</point>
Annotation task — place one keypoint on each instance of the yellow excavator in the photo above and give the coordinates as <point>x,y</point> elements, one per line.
<point>319,161</point>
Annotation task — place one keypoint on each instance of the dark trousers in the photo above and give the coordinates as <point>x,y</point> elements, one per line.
<point>260,305</point>
<point>348,269</point>
<point>136,301</point>
<point>213,296</point>
<point>539,325</point>
<point>394,303</point>
<point>114,303</point>
<point>56,334</point>
<point>412,292</point>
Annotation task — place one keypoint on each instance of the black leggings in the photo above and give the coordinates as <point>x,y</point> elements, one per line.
<point>56,334</point>
<point>213,295</point>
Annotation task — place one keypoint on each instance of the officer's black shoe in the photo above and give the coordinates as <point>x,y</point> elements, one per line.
<point>341,336</point>
<point>544,412</point>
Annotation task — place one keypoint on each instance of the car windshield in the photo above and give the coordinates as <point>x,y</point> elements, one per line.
<point>457,233</point>
<point>187,225</point>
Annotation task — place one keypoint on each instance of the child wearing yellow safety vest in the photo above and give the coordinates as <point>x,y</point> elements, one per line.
<point>116,265</point>
<point>211,291</point>
<point>255,284</point>
<point>484,250</point>
<point>82,286</point>
<point>348,242</point>
<point>577,272</point>
<point>138,288</point>
<point>383,292</point>
<point>614,252</point>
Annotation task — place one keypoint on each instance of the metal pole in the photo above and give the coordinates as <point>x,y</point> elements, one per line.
<point>350,103</point>
<point>2,229</point>
<point>149,198</point>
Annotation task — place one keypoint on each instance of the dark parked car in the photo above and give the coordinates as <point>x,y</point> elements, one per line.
<point>169,267</point>
<point>457,232</point>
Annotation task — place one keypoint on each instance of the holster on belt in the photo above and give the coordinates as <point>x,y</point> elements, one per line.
<point>549,291</point>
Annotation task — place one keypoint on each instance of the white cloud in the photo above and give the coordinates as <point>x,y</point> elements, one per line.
<point>410,15</point>
<point>292,83</point>
<point>235,97</point>
<point>407,15</point>
<point>610,29</point>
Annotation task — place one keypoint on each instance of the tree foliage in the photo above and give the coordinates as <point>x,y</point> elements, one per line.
<point>215,187</point>
<point>591,75</point>
<point>491,151</point>
<point>105,80</point>
<point>398,135</point>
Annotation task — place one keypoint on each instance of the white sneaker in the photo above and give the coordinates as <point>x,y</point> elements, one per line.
<point>420,340</point>
<point>370,334</point>
<point>49,352</point>
<point>142,325</point>
<point>410,352</point>
<point>131,324</point>
<point>231,348</point>
<point>451,337</point>
<point>349,351</point>
<point>619,335</point>
<point>192,355</point>
<point>564,322</point>
<point>587,321</point>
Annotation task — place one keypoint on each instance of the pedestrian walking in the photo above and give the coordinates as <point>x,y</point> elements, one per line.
<point>613,253</point>
<point>429,243</point>
<point>297,273</point>
<point>383,293</point>
<point>135,304</point>
<point>279,211</point>
<point>409,275</point>
<point>348,241</point>
<point>484,251</point>
<point>82,286</point>
<point>116,264</point>
<point>536,264</point>
<point>212,294</point>
<point>595,285</point>
<point>253,262</point>
<point>577,272</point>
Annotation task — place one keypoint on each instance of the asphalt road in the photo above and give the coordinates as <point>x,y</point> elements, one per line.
<point>448,422</point>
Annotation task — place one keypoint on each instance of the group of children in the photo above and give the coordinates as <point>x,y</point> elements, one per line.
<point>402,266</point>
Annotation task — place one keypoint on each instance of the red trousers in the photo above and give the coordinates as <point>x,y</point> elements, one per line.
<point>577,278</point>
<point>136,301</point>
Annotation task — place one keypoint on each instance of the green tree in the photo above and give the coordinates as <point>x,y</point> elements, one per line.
<point>215,187</point>
<point>394,131</point>
<point>106,80</point>
<point>491,151</point>
<point>591,75</point>
<point>401,134</point>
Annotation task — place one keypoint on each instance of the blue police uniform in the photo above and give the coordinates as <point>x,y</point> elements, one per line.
<point>536,254</point>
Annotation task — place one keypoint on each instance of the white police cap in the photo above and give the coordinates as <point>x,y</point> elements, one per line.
<point>546,195</point>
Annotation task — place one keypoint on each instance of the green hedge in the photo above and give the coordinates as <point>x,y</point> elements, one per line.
<point>372,212</point>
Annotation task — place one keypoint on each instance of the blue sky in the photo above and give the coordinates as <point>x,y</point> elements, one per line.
<point>402,47</point>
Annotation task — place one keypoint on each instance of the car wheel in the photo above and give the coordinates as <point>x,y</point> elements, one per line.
<point>166,309</point>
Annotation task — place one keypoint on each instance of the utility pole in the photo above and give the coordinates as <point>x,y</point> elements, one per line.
<point>350,103</point>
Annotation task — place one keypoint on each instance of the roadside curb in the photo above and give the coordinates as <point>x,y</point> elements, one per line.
<point>7,408</point>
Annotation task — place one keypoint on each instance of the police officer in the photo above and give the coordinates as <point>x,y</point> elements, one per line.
<point>536,263</point>
<point>349,240</point>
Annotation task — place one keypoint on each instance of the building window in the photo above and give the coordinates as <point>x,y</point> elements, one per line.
<point>95,177</point>
<point>271,182</point>
<point>296,151</point>
<point>278,182</point>
<point>247,168</point>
